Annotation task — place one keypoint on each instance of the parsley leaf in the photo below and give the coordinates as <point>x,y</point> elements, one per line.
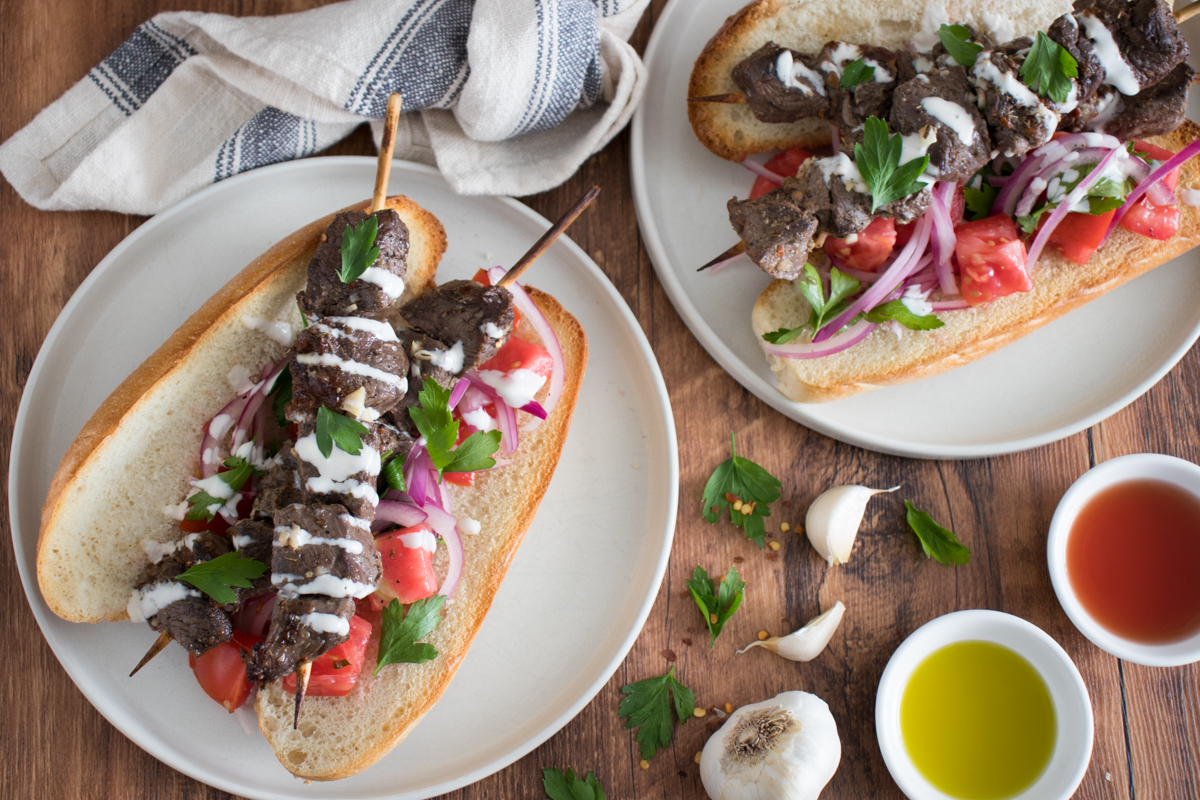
<point>399,632</point>
<point>647,704</point>
<point>334,428</point>
<point>740,480</point>
<point>896,310</point>
<point>560,786</point>
<point>936,541</point>
<point>841,288</point>
<point>858,72</point>
<point>393,473</point>
<point>717,605</point>
<point>440,429</point>
<point>957,41</point>
<point>215,577</point>
<point>281,395</point>
<point>1049,69</point>
<point>303,316</point>
<point>979,195</point>
<point>358,249</point>
<point>202,505</point>
<point>878,159</point>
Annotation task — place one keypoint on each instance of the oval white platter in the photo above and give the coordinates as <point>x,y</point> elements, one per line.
<point>545,649</point>
<point>1057,381</point>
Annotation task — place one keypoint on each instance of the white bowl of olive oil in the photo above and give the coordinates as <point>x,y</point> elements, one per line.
<point>982,705</point>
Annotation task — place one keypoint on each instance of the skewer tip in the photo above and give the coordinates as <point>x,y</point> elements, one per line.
<point>548,237</point>
<point>302,673</point>
<point>159,645</point>
<point>736,250</point>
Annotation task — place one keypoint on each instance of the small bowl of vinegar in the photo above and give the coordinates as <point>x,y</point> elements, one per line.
<point>1124,557</point>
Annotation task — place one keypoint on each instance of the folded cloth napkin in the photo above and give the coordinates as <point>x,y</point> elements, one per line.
<point>508,94</point>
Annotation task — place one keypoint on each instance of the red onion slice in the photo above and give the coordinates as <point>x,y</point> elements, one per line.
<point>535,408</point>
<point>545,332</point>
<point>1026,171</point>
<point>949,305</point>
<point>416,473</point>
<point>446,527</point>
<point>836,344</point>
<point>390,512</point>
<point>459,390</point>
<point>943,239</point>
<point>760,170</point>
<point>1061,210</point>
<point>1154,177</point>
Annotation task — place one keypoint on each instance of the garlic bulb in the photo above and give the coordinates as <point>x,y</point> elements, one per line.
<point>786,748</point>
<point>833,519</point>
<point>808,642</point>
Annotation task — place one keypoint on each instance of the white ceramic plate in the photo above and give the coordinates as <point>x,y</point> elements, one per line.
<point>1053,383</point>
<point>545,649</point>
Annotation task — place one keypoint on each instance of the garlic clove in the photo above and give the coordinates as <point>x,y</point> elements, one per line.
<point>834,517</point>
<point>808,642</point>
<point>785,748</point>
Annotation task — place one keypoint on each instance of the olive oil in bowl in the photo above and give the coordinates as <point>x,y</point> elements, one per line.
<point>977,721</point>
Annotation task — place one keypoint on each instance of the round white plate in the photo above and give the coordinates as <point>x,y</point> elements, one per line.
<point>545,649</point>
<point>1055,382</point>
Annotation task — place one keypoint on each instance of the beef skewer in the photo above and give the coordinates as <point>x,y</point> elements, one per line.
<point>548,237</point>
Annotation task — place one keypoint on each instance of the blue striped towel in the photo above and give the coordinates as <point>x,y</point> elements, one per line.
<point>505,96</point>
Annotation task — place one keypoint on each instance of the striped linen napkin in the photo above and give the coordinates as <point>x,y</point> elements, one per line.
<point>508,97</point>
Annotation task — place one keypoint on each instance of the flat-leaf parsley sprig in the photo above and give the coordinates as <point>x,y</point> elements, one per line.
<point>216,576</point>
<point>358,249</point>
<point>746,489</point>
<point>716,604</point>
<point>878,160</point>
<point>937,542</point>
<point>648,704</point>
<point>566,786</point>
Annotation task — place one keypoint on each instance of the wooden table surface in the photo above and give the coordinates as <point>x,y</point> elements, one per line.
<point>1147,720</point>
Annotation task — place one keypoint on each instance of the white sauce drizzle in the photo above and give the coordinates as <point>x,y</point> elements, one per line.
<point>787,69</point>
<point>517,387</point>
<point>450,360</point>
<point>149,600</point>
<point>239,379</point>
<point>377,328</point>
<point>491,329</point>
<point>326,623</point>
<point>1190,197</point>
<point>479,419</point>
<point>421,539</point>
<point>328,585</point>
<point>468,526</point>
<point>241,541</point>
<point>276,330</point>
<point>999,26</point>
<point>177,511</point>
<point>340,465</point>
<point>296,537</point>
<point>220,426</point>
<point>352,367</point>
<point>917,301</point>
<point>1117,72</point>
<point>843,166</point>
<point>1108,107</point>
<point>952,115</point>
<point>391,283</point>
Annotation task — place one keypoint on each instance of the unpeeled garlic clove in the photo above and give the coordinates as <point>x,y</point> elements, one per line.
<point>808,642</point>
<point>834,517</point>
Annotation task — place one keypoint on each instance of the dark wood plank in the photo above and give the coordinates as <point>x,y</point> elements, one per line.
<point>61,748</point>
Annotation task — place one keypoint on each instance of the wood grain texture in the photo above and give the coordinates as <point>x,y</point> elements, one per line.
<point>1147,720</point>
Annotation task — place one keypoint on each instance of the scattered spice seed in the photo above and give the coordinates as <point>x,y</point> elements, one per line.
<point>644,764</point>
<point>669,655</point>
<point>787,503</point>
<point>731,498</point>
<point>763,635</point>
<point>738,559</point>
<point>772,556</point>
<point>773,545</point>
<point>696,758</point>
<point>737,506</point>
<point>687,641</point>
<point>698,712</point>
<point>783,526</point>
<point>746,510</point>
<point>729,708</point>
<point>712,618</point>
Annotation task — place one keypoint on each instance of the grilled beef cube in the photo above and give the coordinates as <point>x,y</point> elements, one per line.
<point>335,358</point>
<point>254,539</point>
<point>936,99</point>
<point>1065,31</point>
<point>1093,112</point>
<point>850,108</point>
<point>769,98</point>
<point>280,487</point>
<point>1018,122</point>
<point>191,619</point>
<point>476,319</point>
<point>1146,35</point>
<point>427,358</point>
<point>343,478</point>
<point>302,628</point>
<point>322,550</point>
<point>777,232</point>
<point>1159,109</point>
<point>375,290</point>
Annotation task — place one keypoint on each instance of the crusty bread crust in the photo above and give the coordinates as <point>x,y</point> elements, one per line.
<point>339,737</point>
<point>883,359</point>
<point>137,451</point>
<point>732,132</point>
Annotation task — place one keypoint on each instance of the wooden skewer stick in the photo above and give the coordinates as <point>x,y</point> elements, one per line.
<point>735,98</point>
<point>548,237</point>
<point>384,171</point>
<point>736,250</point>
<point>302,673</point>
<point>1187,12</point>
<point>159,645</point>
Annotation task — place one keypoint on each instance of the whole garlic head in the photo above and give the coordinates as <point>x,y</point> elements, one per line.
<point>785,748</point>
<point>834,517</point>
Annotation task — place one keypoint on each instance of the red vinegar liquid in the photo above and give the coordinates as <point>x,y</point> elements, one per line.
<point>1133,559</point>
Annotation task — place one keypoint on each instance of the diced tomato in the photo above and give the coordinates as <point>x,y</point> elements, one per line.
<point>481,276</point>
<point>520,354</point>
<point>991,259</point>
<point>460,478</point>
<point>222,673</point>
<point>407,571</point>
<point>786,164</point>
<point>1159,154</point>
<point>870,249</point>
<point>371,604</point>
<point>217,524</point>
<point>904,233</point>
<point>335,673</point>
<point>1078,235</point>
<point>1156,222</point>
